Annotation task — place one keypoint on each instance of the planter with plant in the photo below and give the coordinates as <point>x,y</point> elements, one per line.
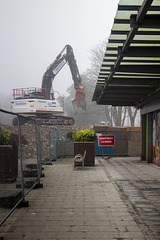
<point>8,155</point>
<point>84,140</point>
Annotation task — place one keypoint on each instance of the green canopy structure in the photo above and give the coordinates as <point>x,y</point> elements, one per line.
<point>130,71</point>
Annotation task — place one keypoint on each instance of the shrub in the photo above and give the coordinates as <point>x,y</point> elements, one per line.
<point>86,135</point>
<point>5,137</point>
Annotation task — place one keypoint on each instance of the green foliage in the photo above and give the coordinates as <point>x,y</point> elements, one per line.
<point>86,135</point>
<point>5,137</point>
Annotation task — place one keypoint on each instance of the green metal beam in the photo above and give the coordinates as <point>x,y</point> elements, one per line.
<point>139,68</point>
<point>140,52</point>
<point>150,21</point>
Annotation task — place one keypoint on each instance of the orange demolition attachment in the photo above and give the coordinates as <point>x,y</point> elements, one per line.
<point>80,99</point>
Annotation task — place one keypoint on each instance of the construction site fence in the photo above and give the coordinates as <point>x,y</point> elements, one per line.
<point>22,163</point>
<point>127,143</point>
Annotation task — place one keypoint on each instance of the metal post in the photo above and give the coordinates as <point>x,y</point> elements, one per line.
<point>37,148</point>
<point>102,153</point>
<point>111,151</point>
<point>40,150</point>
<point>56,143</point>
<point>20,150</point>
<point>143,132</point>
<point>49,142</point>
<point>127,154</point>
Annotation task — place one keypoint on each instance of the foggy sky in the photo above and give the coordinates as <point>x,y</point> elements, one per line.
<point>33,32</point>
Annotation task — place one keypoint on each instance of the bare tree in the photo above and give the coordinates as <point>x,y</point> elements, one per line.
<point>112,116</point>
<point>119,115</point>
<point>115,116</point>
<point>132,114</point>
<point>96,57</point>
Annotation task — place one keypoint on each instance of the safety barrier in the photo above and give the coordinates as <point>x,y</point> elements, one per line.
<point>20,169</point>
<point>127,141</point>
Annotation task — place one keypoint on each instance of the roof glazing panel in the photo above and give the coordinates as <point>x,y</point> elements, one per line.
<point>131,2</point>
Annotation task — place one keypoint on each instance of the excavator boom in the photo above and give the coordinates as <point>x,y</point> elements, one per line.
<point>66,56</point>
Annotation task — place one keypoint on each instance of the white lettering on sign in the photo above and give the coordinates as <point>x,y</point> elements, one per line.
<point>59,66</point>
<point>106,140</point>
<point>21,103</point>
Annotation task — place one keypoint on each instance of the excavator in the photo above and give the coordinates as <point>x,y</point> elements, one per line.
<point>44,103</point>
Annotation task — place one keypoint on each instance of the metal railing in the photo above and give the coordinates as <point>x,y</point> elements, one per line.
<point>18,174</point>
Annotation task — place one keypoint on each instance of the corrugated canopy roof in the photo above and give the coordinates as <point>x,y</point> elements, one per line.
<point>130,70</point>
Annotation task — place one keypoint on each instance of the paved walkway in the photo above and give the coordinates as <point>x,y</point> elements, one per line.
<point>116,199</point>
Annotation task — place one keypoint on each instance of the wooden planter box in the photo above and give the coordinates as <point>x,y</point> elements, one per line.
<point>80,147</point>
<point>8,163</point>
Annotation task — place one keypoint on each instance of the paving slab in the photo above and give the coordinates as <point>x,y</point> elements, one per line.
<point>111,200</point>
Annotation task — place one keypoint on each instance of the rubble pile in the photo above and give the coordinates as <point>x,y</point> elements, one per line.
<point>29,149</point>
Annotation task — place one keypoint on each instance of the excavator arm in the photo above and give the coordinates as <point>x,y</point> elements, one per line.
<point>66,56</point>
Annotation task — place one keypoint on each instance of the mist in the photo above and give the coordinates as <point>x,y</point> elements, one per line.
<point>34,32</point>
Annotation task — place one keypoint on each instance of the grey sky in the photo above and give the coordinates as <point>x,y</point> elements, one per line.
<point>33,32</point>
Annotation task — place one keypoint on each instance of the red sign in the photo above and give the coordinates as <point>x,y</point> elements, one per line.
<point>106,140</point>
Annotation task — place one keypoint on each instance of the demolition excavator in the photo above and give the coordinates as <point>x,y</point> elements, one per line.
<point>44,103</point>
